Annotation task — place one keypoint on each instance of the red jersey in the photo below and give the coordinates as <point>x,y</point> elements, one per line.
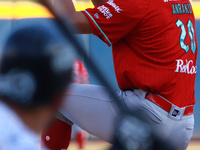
<point>154,45</point>
<point>80,73</point>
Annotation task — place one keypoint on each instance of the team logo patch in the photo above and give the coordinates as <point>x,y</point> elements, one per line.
<point>96,15</point>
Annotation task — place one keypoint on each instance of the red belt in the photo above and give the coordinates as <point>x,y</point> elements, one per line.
<point>165,104</point>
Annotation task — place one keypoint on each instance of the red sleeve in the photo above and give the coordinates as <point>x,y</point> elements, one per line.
<point>116,18</point>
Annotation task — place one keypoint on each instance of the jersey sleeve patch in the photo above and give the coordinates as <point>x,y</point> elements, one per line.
<point>115,19</point>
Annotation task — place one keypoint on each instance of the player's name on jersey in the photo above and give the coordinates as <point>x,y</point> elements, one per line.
<point>181,8</point>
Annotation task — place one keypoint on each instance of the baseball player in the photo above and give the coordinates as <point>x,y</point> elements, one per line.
<point>154,49</point>
<point>34,76</point>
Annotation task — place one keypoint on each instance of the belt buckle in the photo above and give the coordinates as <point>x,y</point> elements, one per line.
<point>176,113</point>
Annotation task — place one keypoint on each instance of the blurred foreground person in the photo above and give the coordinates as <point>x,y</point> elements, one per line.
<point>35,70</point>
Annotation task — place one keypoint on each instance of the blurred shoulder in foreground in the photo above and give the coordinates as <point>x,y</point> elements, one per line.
<point>35,71</point>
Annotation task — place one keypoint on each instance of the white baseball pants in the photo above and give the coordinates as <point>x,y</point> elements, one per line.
<point>91,108</point>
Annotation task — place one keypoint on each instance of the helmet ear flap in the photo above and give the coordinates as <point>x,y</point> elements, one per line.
<point>18,86</point>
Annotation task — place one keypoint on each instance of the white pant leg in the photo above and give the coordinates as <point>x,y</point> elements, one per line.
<point>90,107</point>
<point>177,132</point>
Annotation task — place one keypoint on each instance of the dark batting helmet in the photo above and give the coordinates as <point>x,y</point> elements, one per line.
<point>35,65</point>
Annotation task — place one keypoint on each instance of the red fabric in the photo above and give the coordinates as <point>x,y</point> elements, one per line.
<point>80,138</point>
<point>165,104</point>
<point>147,52</point>
<point>58,136</point>
<point>80,73</point>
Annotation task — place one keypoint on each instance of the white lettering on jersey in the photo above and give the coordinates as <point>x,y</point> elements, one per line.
<point>105,11</point>
<point>185,67</point>
<point>170,0</point>
<point>117,9</point>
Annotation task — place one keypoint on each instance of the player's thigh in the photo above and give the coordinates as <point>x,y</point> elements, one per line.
<point>91,108</point>
<point>181,132</point>
<point>178,132</point>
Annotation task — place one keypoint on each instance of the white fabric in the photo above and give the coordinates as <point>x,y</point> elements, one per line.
<point>14,135</point>
<point>91,108</point>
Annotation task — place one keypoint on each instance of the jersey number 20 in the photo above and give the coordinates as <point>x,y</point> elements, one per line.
<point>179,23</point>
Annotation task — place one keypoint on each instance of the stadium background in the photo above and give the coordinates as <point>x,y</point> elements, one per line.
<point>96,49</point>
